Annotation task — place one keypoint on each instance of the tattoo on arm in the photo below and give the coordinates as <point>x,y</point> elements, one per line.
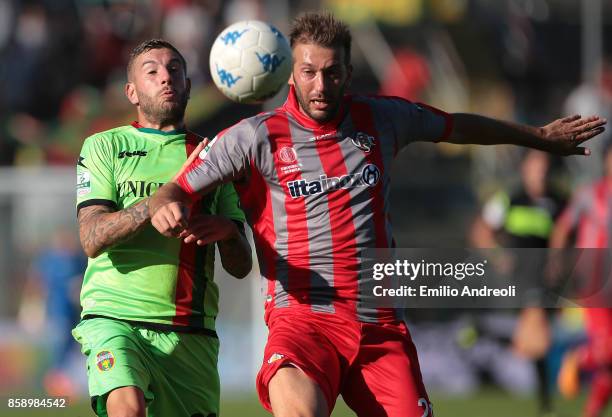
<point>236,255</point>
<point>100,228</point>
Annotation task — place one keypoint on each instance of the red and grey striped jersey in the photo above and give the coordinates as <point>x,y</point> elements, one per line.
<point>317,195</point>
<point>589,213</point>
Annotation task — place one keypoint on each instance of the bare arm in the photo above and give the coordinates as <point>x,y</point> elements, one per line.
<point>100,228</point>
<point>169,214</point>
<point>562,136</point>
<point>169,209</point>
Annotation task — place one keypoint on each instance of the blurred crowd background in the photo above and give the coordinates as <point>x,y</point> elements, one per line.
<point>62,72</point>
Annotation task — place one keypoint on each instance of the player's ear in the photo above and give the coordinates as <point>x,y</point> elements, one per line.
<point>290,80</point>
<point>130,93</point>
<point>188,87</point>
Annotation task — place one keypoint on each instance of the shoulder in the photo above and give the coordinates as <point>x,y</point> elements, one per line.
<point>253,125</point>
<point>380,100</point>
<point>107,137</point>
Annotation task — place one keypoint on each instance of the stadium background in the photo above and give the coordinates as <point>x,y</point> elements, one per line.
<point>61,78</point>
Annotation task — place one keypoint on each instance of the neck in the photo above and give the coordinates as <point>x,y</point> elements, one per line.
<point>160,125</point>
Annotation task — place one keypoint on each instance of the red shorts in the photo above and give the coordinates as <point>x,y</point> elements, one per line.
<point>373,366</point>
<point>598,351</point>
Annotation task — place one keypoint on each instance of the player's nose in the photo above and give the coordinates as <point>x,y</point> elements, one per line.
<point>319,83</point>
<point>165,76</point>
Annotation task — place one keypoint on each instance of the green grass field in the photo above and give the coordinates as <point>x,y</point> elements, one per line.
<point>487,403</point>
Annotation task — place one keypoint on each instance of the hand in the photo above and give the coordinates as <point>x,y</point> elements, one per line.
<point>192,156</point>
<point>565,135</point>
<point>204,229</point>
<point>170,219</point>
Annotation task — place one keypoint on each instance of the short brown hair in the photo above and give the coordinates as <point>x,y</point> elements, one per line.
<point>321,29</point>
<point>149,45</point>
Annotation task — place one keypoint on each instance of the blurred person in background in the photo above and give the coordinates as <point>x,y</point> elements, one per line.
<point>311,233</point>
<point>588,217</point>
<point>524,218</point>
<point>53,283</point>
<point>149,303</point>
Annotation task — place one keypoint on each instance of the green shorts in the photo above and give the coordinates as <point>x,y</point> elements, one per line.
<point>177,372</point>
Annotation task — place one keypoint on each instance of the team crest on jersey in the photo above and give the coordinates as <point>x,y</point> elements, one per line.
<point>287,155</point>
<point>275,357</point>
<point>105,360</point>
<point>363,141</point>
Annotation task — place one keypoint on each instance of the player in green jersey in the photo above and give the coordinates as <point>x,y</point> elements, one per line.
<point>149,303</point>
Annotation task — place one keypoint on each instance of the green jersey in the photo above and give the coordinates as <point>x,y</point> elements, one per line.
<point>148,278</point>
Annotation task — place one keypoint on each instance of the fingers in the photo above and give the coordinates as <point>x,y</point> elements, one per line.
<point>589,134</point>
<point>588,124</point>
<point>192,157</point>
<point>570,118</point>
<point>170,220</point>
<point>205,229</point>
<point>580,150</point>
<point>196,152</point>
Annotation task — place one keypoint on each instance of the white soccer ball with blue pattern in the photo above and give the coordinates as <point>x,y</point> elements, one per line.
<point>250,61</point>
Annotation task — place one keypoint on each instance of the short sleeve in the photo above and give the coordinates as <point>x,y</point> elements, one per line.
<point>226,158</point>
<point>417,122</point>
<point>95,179</point>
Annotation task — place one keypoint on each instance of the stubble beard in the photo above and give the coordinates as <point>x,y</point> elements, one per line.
<point>327,116</point>
<point>164,113</point>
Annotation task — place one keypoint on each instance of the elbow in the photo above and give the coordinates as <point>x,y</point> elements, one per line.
<point>241,271</point>
<point>238,268</point>
<point>91,252</point>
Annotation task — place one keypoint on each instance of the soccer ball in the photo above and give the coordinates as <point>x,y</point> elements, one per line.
<point>250,61</point>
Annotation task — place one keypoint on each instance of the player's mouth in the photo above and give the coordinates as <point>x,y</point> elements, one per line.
<point>320,104</point>
<point>168,94</point>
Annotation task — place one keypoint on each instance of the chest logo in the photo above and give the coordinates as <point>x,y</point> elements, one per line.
<point>368,177</point>
<point>287,155</point>
<point>363,141</point>
<point>129,154</point>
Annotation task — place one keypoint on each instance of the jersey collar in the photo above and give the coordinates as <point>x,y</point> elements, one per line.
<point>157,131</point>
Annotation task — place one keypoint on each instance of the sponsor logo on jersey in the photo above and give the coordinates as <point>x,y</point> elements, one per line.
<point>129,154</point>
<point>275,357</point>
<point>206,149</point>
<point>83,183</point>
<point>333,135</point>
<point>287,155</point>
<point>137,188</point>
<point>105,360</point>
<point>368,177</point>
<point>363,141</point>
<point>80,162</point>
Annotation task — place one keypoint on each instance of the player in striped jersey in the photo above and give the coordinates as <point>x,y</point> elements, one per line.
<point>589,214</point>
<point>149,303</point>
<point>313,177</point>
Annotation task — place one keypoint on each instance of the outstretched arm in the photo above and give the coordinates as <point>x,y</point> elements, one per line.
<point>562,136</point>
